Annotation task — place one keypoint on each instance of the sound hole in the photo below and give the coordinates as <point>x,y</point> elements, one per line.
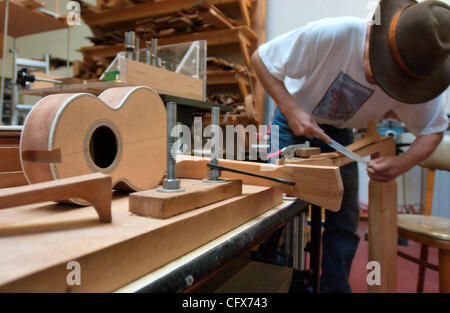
<point>103,147</point>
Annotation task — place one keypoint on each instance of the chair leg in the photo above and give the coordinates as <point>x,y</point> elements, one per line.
<point>444,271</point>
<point>421,276</point>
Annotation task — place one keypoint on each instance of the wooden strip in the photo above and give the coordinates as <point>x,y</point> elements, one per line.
<point>259,27</point>
<point>10,159</point>
<point>162,80</point>
<point>196,194</point>
<point>299,161</point>
<point>244,6</point>
<point>53,156</point>
<point>94,188</point>
<point>320,185</point>
<point>12,179</point>
<point>112,255</point>
<point>213,16</point>
<point>383,233</point>
<point>307,152</point>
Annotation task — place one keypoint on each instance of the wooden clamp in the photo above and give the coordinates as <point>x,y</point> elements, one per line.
<point>94,188</point>
<point>320,185</point>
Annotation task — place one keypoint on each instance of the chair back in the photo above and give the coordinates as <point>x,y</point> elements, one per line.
<point>440,158</point>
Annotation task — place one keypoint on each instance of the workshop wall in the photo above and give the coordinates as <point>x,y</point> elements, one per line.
<point>286,15</point>
<point>53,42</point>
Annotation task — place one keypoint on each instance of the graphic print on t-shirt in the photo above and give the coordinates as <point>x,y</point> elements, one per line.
<point>343,99</point>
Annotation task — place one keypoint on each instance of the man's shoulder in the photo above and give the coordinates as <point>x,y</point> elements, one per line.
<point>337,25</point>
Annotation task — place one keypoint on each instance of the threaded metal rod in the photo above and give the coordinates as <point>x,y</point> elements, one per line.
<point>215,113</point>
<point>171,122</point>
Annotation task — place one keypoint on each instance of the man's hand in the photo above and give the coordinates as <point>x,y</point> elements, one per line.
<point>385,169</point>
<point>302,124</point>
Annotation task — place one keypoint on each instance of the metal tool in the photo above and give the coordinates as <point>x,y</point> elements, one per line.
<point>219,168</point>
<point>171,183</point>
<point>288,152</point>
<point>130,40</point>
<point>348,153</point>
<point>23,77</point>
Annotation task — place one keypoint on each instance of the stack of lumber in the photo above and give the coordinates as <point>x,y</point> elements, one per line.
<point>202,17</point>
<point>90,68</point>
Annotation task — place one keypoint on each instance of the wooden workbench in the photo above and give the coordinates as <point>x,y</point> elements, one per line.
<point>194,270</point>
<point>38,241</point>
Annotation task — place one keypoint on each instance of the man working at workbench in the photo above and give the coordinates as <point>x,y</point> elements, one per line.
<point>340,73</point>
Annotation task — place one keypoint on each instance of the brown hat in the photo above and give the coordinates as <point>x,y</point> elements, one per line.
<point>409,49</point>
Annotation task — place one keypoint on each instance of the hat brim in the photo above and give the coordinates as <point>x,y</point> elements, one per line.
<point>388,75</point>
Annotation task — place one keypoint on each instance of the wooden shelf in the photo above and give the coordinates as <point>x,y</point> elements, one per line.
<point>94,16</point>
<point>244,36</point>
<point>24,21</point>
<point>222,33</point>
<point>230,78</point>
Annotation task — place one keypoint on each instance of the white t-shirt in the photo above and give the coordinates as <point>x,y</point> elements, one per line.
<point>322,66</point>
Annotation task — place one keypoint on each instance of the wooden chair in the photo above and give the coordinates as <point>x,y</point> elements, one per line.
<point>428,230</point>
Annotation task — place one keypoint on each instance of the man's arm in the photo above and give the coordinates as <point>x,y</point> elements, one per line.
<point>300,122</point>
<point>388,168</point>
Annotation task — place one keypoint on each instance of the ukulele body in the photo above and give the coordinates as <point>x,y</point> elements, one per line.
<point>121,133</point>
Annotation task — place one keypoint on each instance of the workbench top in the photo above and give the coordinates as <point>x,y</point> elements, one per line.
<point>38,241</point>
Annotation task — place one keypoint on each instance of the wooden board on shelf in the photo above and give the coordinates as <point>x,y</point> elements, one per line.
<point>107,251</point>
<point>32,21</point>
<point>161,80</point>
<point>143,10</point>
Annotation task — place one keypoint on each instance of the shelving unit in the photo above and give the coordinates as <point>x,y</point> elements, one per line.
<point>232,28</point>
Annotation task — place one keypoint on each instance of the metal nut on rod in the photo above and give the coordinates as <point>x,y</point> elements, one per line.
<point>170,183</point>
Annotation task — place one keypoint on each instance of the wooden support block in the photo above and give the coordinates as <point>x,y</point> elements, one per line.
<point>307,152</point>
<point>383,233</point>
<point>94,188</point>
<point>10,159</point>
<point>196,195</point>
